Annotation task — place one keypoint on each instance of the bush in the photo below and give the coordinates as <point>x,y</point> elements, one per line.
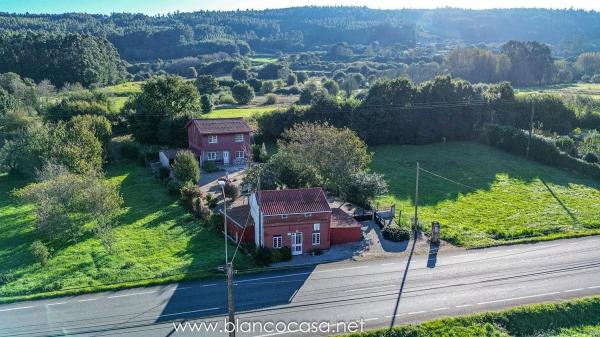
<point>211,201</point>
<point>256,84</point>
<point>262,256</point>
<point>291,79</point>
<point>173,186</point>
<point>6,278</point>
<point>271,99</point>
<point>40,252</point>
<point>186,167</point>
<point>395,233</point>
<point>206,104</point>
<point>243,93</point>
<point>209,166</point>
<point>595,78</point>
<point>590,157</point>
<point>585,78</point>
<point>226,99</point>
<point>267,87</point>
<point>130,150</point>
<point>231,191</point>
<point>567,145</point>
<point>301,77</point>
<point>286,253</point>
<point>216,221</point>
<point>191,196</point>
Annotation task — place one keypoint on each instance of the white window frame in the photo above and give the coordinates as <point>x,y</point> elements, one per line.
<point>307,215</point>
<point>316,239</point>
<point>316,227</point>
<point>213,139</point>
<point>211,155</point>
<point>284,216</point>
<point>277,241</point>
<point>237,138</point>
<point>239,155</point>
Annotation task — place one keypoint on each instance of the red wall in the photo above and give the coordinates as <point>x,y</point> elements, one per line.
<point>340,235</point>
<point>198,142</point>
<point>245,236</point>
<point>275,225</point>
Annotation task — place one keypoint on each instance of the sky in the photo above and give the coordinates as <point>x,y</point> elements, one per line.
<point>167,6</point>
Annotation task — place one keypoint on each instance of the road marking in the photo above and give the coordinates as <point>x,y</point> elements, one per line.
<point>595,287</point>
<point>59,303</point>
<point>464,305</point>
<point>416,312</point>
<point>573,290</point>
<point>134,294</point>
<point>439,309</point>
<point>518,298</point>
<point>298,274</point>
<point>184,288</point>
<point>370,319</point>
<point>19,308</point>
<point>388,264</point>
<point>189,312</point>
<point>89,299</point>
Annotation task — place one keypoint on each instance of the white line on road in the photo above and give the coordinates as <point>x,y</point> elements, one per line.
<point>189,312</point>
<point>298,274</point>
<point>370,319</point>
<point>574,290</point>
<point>464,305</point>
<point>518,298</point>
<point>134,294</point>
<point>388,264</point>
<point>369,288</point>
<point>59,303</point>
<point>416,312</point>
<point>87,300</point>
<point>595,287</point>
<point>19,308</point>
<point>439,309</point>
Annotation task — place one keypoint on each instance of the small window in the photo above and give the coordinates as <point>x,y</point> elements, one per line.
<point>239,138</point>
<point>239,154</point>
<point>307,215</point>
<point>212,139</point>
<point>284,216</point>
<point>277,241</point>
<point>316,239</point>
<point>317,227</point>
<point>211,156</point>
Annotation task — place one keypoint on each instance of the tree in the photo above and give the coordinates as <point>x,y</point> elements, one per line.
<point>332,87</point>
<point>206,84</point>
<point>206,104</point>
<point>240,74</point>
<point>242,93</point>
<point>66,204</point>
<point>99,126</point>
<point>291,79</point>
<point>186,167</point>
<point>80,103</point>
<point>158,114</point>
<point>40,252</point>
<point>332,154</point>
<point>362,187</point>
<point>273,71</point>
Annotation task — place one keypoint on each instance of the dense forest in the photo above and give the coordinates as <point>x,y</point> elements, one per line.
<point>141,37</point>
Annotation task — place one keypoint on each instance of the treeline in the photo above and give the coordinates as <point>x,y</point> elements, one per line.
<point>61,58</point>
<point>401,112</point>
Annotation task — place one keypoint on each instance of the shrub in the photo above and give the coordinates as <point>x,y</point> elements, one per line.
<point>291,79</point>
<point>40,252</point>
<point>186,167</point>
<point>206,104</point>
<point>216,221</point>
<point>209,166</point>
<point>191,196</point>
<point>301,77</point>
<point>595,78</point>
<point>231,191</point>
<point>286,253</point>
<point>226,99</point>
<point>567,145</point>
<point>271,99</point>
<point>243,93</point>
<point>6,278</point>
<point>173,186</point>
<point>262,256</point>
<point>395,233</point>
<point>211,201</point>
<point>130,150</point>
<point>267,87</point>
<point>590,157</point>
<point>585,78</point>
<point>256,84</point>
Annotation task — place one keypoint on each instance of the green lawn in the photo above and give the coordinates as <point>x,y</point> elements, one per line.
<point>592,89</point>
<point>155,241</point>
<point>123,89</point>
<point>513,200</point>
<point>239,112</point>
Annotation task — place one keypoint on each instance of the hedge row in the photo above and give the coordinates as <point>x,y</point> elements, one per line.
<point>542,149</point>
<point>530,320</point>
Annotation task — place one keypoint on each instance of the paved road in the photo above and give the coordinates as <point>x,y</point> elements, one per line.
<point>372,293</point>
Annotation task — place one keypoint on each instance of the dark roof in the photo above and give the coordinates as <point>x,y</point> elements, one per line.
<point>303,200</point>
<point>170,153</point>
<point>339,218</point>
<point>221,125</point>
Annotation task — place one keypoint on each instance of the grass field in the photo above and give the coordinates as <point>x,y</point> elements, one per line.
<point>245,112</point>
<point>592,89</point>
<point>123,89</point>
<point>573,318</point>
<point>507,199</point>
<point>156,240</point>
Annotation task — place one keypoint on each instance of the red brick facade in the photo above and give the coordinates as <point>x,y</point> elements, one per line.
<point>278,225</point>
<point>210,139</point>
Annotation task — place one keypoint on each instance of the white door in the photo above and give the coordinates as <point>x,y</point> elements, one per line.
<point>297,243</point>
<point>226,157</point>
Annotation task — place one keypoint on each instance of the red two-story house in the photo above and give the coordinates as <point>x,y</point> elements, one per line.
<point>296,218</point>
<point>226,141</point>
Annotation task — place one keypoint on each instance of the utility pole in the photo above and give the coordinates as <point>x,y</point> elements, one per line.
<point>228,267</point>
<point>530,126</point>
<point>416,201</point>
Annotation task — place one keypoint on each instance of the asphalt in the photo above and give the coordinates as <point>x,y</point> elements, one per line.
<point>372,294</point>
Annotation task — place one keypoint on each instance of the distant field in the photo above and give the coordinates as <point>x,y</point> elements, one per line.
<point>156,240</point>
<point>592,89</point>
<point>123,89</point>
<point>513,200</point>
<point>245,112</point>
<point>263,58</point>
